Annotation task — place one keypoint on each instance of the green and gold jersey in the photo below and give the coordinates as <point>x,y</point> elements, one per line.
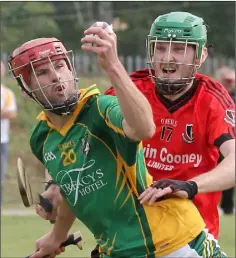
<point>101,172</point>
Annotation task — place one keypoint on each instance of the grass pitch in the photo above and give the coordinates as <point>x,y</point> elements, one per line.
<point>19,234</point>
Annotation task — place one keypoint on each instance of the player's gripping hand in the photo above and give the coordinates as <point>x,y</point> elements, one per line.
<point>47,246</point>
<point>54,196</point>
<point>167,188</point>
<point>95,253</point>
<point>101,39</point>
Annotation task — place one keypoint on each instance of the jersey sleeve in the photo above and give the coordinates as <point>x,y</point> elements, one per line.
<point>109,110</point>
<point>221,121</point>
<point>140,78</point>
<point>37,139</point>
<point>112,118</point>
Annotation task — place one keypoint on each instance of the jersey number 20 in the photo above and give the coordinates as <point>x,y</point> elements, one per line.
<point>68,157</point>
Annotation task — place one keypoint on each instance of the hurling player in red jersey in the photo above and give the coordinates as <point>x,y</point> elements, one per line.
<point>193,149</point>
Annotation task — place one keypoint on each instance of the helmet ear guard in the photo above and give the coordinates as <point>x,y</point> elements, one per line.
<point>23,85</point>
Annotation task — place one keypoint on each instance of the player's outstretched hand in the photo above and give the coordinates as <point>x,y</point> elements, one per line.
<point>101,39</point>
<point>47,246</point>
<point>54,196</point>
<point>167,188</point>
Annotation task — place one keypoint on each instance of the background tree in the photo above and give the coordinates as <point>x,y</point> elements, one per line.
<point>22,21</point>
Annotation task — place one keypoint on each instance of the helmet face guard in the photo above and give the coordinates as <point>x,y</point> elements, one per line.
<point>34,53</point>
<point>172,29</point>
<point>170,85</point>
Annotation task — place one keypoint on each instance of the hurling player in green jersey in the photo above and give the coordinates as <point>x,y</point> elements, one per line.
<point>91,146</point>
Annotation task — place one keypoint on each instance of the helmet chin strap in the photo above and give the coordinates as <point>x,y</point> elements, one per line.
<point>64,108</point>
<point>165,87</point>
<point>171,88</point>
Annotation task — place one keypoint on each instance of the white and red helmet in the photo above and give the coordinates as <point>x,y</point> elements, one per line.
<point>37,52</point>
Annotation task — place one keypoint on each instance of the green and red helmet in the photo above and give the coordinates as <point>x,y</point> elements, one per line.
<point>181,27</point>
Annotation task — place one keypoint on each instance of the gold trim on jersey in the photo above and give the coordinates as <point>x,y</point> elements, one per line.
<point>108,122</point>
<point>84,96</point>
<point>140,223</point>
<point>123,184</point>
<point>102,246</point>
<point>208,250</point>
<point>127,197</point>
<point>118,174</point>
<point>49,131</point>
<point>124,180</point>
<point>119,168</point>
<point>148,178</point>
<point>180,215</point>
<point>130,174</point>
<point>112,246</point>
<point>141,226</point>
<point>100,238</point>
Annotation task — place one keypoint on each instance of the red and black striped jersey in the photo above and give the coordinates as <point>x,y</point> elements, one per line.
<point>189,132</point>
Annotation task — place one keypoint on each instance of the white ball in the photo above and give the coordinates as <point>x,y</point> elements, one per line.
<point>109,28</point>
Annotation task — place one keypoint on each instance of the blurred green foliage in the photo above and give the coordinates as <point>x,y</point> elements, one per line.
<point>22,21</point>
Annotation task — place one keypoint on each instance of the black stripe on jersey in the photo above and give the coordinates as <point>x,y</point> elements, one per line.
<point>217,96</point>
<point>215,87</point>
<point>173,106</point>
<point>218,87</point>
<point>223,138</point>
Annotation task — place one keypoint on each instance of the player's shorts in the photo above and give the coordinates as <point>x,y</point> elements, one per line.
<point>204,246</point>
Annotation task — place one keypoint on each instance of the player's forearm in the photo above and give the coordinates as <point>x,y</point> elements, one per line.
<point>218,179</point>
<point>47,176</point>
<point>64,221</point>
<point>134,105</point>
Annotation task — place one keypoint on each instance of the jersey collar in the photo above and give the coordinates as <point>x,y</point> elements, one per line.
<point>85,94</point>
